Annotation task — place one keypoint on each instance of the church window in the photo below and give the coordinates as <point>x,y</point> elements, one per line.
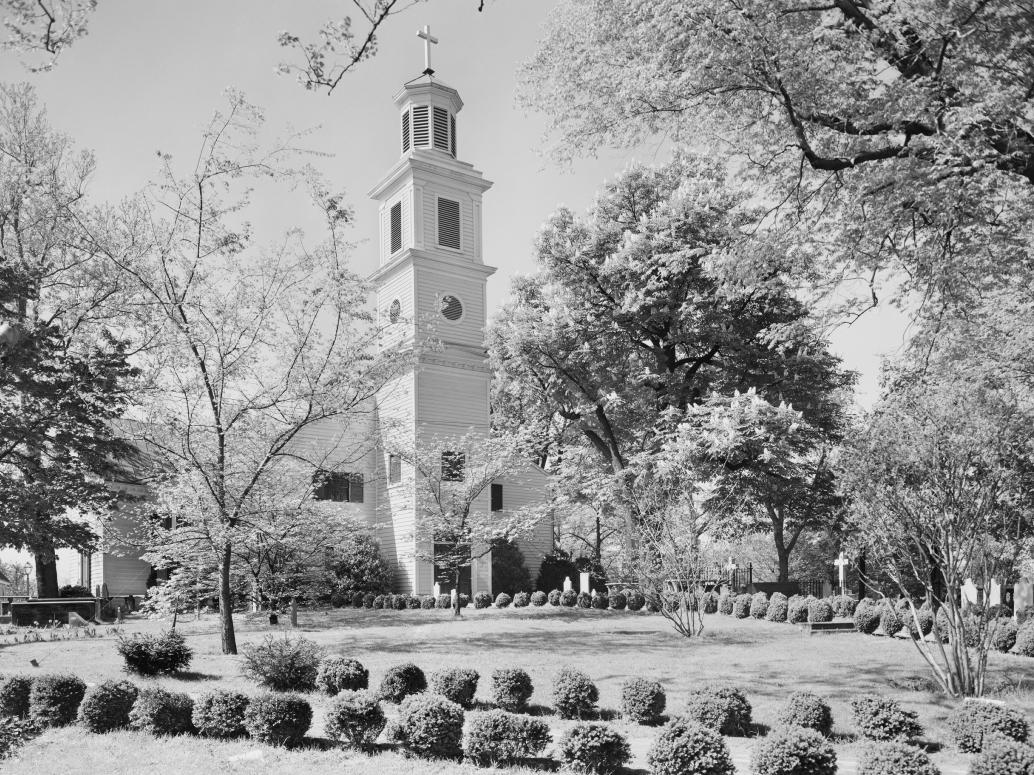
<point>497,497</point>
<point>441,129</point>
<point>405,132</point>
<point>420,127</point>
<point>396,227</point>
<point>452,133</point>
<point>395,311</point>
<point>394,469</point>
<point>338,486</point>
<point>452,308</point>
<point>449,223</point>
<point>453,464</point>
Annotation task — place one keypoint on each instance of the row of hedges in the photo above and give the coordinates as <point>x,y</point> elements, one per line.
<point>795,609</point>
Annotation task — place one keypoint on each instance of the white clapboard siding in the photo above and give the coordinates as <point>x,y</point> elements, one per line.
<point>432,284</point>
<point>444,400</point>
<point>528,486</point>
<point>469,247</point>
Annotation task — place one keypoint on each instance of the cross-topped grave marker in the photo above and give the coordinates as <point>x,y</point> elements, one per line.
<point>842,562</point>
<point>428,39</point>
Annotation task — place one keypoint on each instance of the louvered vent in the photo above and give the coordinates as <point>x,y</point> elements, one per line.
<point>395,311</point>
<point>449,224</point>
<point>405,131</point>
<point>420,128</point>
<point>452,133</point>
<point>452,309</point>
<point>441,129</point>
<point>396,227</point>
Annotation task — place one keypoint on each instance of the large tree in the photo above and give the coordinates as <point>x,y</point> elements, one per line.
<point>64,375</point>
<point>899,132</point>
<point>646,306</point>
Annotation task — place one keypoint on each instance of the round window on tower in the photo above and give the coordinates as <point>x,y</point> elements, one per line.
<point>452,309</point>
<point>395,311</point>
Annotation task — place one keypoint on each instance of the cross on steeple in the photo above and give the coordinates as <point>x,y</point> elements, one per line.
<point>425,33</point>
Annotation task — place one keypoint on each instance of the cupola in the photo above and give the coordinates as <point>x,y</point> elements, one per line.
<point>428,109</point>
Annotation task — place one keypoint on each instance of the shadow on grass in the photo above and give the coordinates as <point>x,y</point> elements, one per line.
<point>193,675</point>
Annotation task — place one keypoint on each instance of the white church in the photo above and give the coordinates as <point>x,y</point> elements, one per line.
<point>431,274</point>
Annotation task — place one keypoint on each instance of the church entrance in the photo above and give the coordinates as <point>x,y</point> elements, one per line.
<point>446,556</point>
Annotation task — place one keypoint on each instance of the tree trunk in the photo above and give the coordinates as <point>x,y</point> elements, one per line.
<point>456,586</point>
<point>229,639</point>
<point>46,573</point>
<point>784,563</point>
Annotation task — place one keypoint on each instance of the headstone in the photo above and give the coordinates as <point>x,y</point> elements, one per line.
<point>437,590</point>
<point>1022,598</point>
<point>452,598</point>
<point>970,594</point>
<point>567,583</point>
<point>75,620</point>
<point>583,582</point>
<point>994,595</point>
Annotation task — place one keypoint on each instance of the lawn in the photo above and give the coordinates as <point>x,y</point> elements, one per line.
<point>767,660</point>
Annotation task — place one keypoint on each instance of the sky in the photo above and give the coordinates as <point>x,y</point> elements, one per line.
<point>150,73</point>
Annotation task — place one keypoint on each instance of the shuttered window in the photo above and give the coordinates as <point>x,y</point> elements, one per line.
<point>441,129</point>
<point>405,131</point>
<point>396,227</point>
<point>452,133</point>
<point>355,488</point>
<point>339,487</point>
<point>394,469</point>
<point>449,224</point>
<point>497,497</point>
<point>420,129</point>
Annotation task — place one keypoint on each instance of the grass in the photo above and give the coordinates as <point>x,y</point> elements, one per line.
<point>767,660</point>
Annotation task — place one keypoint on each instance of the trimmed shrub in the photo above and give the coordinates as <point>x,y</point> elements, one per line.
<point>925,616</point>
<point>793,751</point>
<point>1025,639</point>
<point>155,654</point>
<point>427,602</point>
<point>574,694</point>
<point>14,696</point>
<point>378,602</point>
<point>1004,637</point>
<point>498,737</point>
<point>338,674</point>
<point>776,608</point>
<point>54,699</point>
<point>867,617</point>
<point>635,600</point>
<point>511,689</point>
<point>554,597</point>
<point>725,604</point>
<point>584,600</point>
<point>413,602</point>
<point>843,606</point>
<point>594,748</point>
<point>685,747</point>
<point>369,599</point>
<point>521,600</point>
<point>538,598</point>
<point>974,721</point>
<point>161,712</point>
<point>463,600</point>
<point>890,621</point>
<point>278,719</point>
<point>358,565</point>
<point>358,599</point>
<point>430,726</point>
<point>283,663</point>
<point>568,598</point>
<point>797,610</point>
<point>482,600</point>
<point>618,601</point>
<point>457,684</point>
<point>881,718</point>
<point>444,601</point>
<point>759,606</point>
<point>15,732</point>
<point>509,571</point>
<point>724,709</point>
<point>1002,756</point>
<point>891,758</point>
<point>106,707</point>
<point>741,606</point>
<point>502,600</point>
<point>820,611</point>
<point>600,601</point>
<point>642,701</point>
<point>401,681</point>
<point>401,602</point>
<point>355,718</point>
<point>220,714</point>
<point>711,602</point>
<point>807,710</point>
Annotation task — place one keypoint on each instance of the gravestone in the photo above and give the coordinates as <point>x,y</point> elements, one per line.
<point>970,594</point>
<point>583,582</point>
<point>567,583</point>
<point>1022,599</point>
<point>452,598</point>
<point>75,620</point>
<point>994,594</point>
<point>437,590</point>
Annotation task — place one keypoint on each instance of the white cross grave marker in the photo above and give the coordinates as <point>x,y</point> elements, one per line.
<point>842,562</point>
<point>425,33</point>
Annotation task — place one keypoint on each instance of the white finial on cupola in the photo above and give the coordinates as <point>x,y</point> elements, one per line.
<point>425,33</point>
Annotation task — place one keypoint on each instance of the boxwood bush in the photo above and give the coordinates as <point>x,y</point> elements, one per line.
<point>427,602</point>
<point>1025,639</point>
<point>600,601</point>
<point>220,714</point>
<point>635,600</point>
<point>793,751</point>
<point>890,620</point>
<point>458,684</point>
<point>155,654</point>
<point>429,725</point>
<point>498,737</point>
<point>538,598</point>
<point>797,609</point>
<point>15,732</point>
<point>618,601</point>
<point>894,758</point>
<point>283,663</point>
<point>339,674</point>
<point>584,600</point>
<point>574,694</point>
<point>369,599</point>
<point>867,617</point>
<point>444,601</point>
<point>54,699</point>
<point>502,600</point>
<point>356,718</point>
<point>881,718</point>
<point>521,600</point>
<point>820,611</point>
<point>1004,636</point>
<point>279,719</point>
<point>412,602</point>
<point>776,608</point>
<point>685,747</point>
<point>482,600</point>
<point>725,604</point>
<point>594,748</point>
<point>1002,756</point>
<point>925,616</point>
<point>722,708</point>
<point>14,696</point>
<point>511,689</point>
<point>741,606</point>
<point>378,602</point>
<point>642,700</point>
<point>974,721</point>
<point>759,606</point>
<point>844,606</point>
<point>105,707</point>
<point>568,598</point>
<point>401,681</point>
<point>554,597</point>
<point>711,602</point>
<point>162,712</point>
<point>807,710</point>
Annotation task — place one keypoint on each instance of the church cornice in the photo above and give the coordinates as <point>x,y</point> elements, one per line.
<point>461,267</point>
<point>431,163</point>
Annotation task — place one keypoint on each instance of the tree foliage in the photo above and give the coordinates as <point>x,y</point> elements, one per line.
<point>43,29</point>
